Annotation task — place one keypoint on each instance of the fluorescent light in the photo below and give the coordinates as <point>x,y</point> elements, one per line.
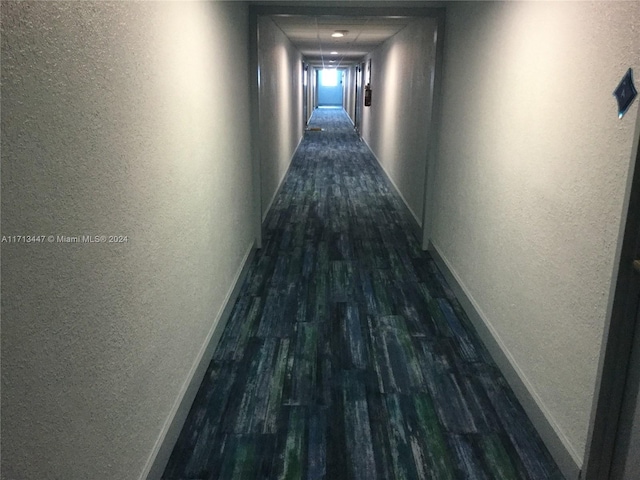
<point>334,53</point>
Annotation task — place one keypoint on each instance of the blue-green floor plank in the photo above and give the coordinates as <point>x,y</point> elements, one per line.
<point>347,355</point>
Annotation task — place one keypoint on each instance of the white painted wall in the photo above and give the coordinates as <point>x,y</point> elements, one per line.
<point>395,125</point>
<point>530,184</point>
<point>119,118</point>
<point>281,114</point>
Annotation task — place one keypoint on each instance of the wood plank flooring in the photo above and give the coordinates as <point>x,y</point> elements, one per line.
<point>347,356</point>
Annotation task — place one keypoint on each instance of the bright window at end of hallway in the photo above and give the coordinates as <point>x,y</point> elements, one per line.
<point>329,77</point>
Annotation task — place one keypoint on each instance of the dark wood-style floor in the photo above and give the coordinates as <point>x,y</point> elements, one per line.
<point>346,355</point>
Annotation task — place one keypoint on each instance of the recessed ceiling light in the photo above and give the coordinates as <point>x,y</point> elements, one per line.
<point>339,33</point>
<point>334,53</point>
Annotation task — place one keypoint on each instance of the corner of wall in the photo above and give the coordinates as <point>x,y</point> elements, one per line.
<point>172,427</point>
<point>409,213</point>
<point>281,184</point>
<point>568,460</point>
<point>280,93</point>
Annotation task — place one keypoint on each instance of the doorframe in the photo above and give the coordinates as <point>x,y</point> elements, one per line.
<point>433,133</point>
<point>357,120</point>
<point>254,106</point>
<point>614,374</point>
<point>305,93</point>
<point>314,93</point>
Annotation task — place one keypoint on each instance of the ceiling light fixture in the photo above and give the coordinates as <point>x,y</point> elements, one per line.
<point>334,53</point>
<point>339,33</point>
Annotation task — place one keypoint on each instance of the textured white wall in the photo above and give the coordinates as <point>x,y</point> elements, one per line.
<point>395,125</point>
<point>281,115</point>
<point>530,183</point>
<point>126,118</point>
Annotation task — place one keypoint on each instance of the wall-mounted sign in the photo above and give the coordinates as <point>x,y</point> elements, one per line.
<point>625,93</point>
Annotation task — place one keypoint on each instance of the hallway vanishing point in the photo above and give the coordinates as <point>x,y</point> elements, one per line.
<point>346,355</point>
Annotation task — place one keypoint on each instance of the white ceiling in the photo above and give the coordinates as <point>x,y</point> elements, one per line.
<point>312,36</point>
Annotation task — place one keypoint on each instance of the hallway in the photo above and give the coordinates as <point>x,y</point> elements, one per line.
<point>167,129</point>
<point>346,355</point>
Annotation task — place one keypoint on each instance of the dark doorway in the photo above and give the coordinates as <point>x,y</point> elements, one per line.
<point>359,99</point>
<point>615,429</point>
<point>305,93</point>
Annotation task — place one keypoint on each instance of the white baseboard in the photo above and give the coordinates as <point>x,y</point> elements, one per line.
<point>551,434</point>
<point>277,192</point>
<point>159,457</point>
<point>415,224</point>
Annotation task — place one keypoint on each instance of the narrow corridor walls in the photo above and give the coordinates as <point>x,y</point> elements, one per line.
<point>281,121</point>
<point>530,181</point>
<point>396,125</point>
<point>126,119</point>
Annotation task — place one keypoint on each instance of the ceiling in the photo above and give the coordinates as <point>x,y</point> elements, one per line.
<point>312,36</point>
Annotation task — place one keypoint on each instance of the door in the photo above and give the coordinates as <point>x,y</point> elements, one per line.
<point>305,93</point>
<point>359,99</point>
<point>625,464</point>
<point>614,432</point>
<point>626,450</point>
